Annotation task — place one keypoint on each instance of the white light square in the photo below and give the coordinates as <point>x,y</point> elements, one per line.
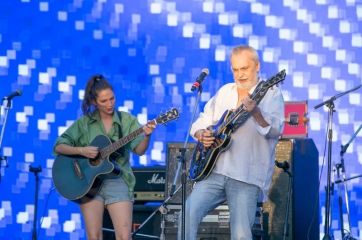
<point>79,25</point>
<point>44,78</point>
<point>359,11</point>
<point>344,26</point>
<point>340,85</point>
<point>8,151</point>
<point>300,47</point>
<point>43,6</point>
<point>313,92</point>
<point>341,55</point>
<point>156,154</point>
<point>29,110</point>
<point>343,116</point>
<point>22,217</point>
<point>2,213</point>
<point>188,30</point>
<point>11,54</point>
<point>298,79</point>
<point>223,19</point>
<point>50,117</point>
<point>208,6</point>
<point>170,78</point>
<point>220,54</point>
<point>242,30</point>
<point>23,70</point>
<point>328,41</point>
<point>46,222</point>
<point>354,68</point>
<point>29,157</point>
<point>62,16</point>
<point>142,118</point>
<point>20,117</point>
<point>4,61</point>
<point>42,124</point>
<point>355,98</point>
<point>312,59</point>
<point>204,41</point>
<point>154,69</point>
<point>97,34</point>
<point>69,226</point>
<point>129,104</point>
<point>172,19</point>
<point>327,72</point>
<point>156,7</point>
<point>333,12</point>
<point>118,8</point>
<point>63,87</point>
<point>356,40</point>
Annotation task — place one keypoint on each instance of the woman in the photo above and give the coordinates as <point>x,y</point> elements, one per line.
<point>116,193</point>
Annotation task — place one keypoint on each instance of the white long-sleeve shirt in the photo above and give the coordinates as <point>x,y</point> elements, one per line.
<point>251,155</point>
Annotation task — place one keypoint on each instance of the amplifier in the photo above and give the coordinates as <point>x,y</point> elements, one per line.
<point>150,183</point>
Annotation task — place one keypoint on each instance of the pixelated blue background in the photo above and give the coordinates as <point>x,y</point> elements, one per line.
<point>152,51</point>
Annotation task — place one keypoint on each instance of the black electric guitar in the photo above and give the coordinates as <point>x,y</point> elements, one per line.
<point>203,159</point>
<point>78,178</point>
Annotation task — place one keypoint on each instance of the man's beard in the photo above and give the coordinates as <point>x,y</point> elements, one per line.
<point>245,86</point>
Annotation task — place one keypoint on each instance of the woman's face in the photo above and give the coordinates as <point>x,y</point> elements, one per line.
<point>105,101</point>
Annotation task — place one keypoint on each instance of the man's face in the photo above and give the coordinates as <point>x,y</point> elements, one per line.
<point>245,69</point>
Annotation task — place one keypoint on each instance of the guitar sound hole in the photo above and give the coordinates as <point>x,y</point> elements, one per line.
<point>95,161</point>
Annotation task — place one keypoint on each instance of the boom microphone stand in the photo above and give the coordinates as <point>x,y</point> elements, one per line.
<point>182,163</point>
<point>341,169</point>
<point>35,170</point>
<point>7,103</point>
<point>330,105</point>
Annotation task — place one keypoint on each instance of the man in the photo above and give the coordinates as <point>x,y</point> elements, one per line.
<point>245,169</point>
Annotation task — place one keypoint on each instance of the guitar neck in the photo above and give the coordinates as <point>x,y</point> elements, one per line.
<point>106,151</point>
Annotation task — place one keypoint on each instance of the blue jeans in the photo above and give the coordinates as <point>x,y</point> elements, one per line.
<point>209,193</point>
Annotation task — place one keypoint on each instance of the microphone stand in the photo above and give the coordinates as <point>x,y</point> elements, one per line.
<point>182,165</point>
<point>341,168</point>
<point>330,105</point>
<point>163,210</point>
<point>35,170</point>
<point>8,104</point>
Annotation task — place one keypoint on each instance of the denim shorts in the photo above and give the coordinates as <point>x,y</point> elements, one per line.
<point>113,190</point>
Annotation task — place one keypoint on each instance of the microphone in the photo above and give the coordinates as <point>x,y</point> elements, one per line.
<point>200,79</point>
<point>283,165</point>
<point>14,94</point>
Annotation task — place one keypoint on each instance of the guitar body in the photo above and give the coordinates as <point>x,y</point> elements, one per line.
<point>203,159</point>
<point>79,179</point>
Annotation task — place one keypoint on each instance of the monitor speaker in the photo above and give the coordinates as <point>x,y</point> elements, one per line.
<point>173,156</point>
<point>302,156</point>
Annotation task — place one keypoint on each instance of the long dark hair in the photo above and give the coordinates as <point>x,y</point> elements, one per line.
<point>95,84</point>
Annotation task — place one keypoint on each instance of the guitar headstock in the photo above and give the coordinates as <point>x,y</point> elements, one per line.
<point>277,78</point>
<point>170,115</point>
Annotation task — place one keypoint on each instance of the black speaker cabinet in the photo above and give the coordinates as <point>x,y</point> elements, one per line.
<point>302,156</point>
<point>151,230</point>
<point>173,154</point>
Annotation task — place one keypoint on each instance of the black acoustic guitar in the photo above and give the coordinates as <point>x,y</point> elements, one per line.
<point>203,159</point>
<point>78,178</point>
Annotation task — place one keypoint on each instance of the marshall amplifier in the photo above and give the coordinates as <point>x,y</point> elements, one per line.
<point>150,183</point>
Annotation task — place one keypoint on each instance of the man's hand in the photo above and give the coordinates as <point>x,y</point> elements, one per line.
<point>205,137</point>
